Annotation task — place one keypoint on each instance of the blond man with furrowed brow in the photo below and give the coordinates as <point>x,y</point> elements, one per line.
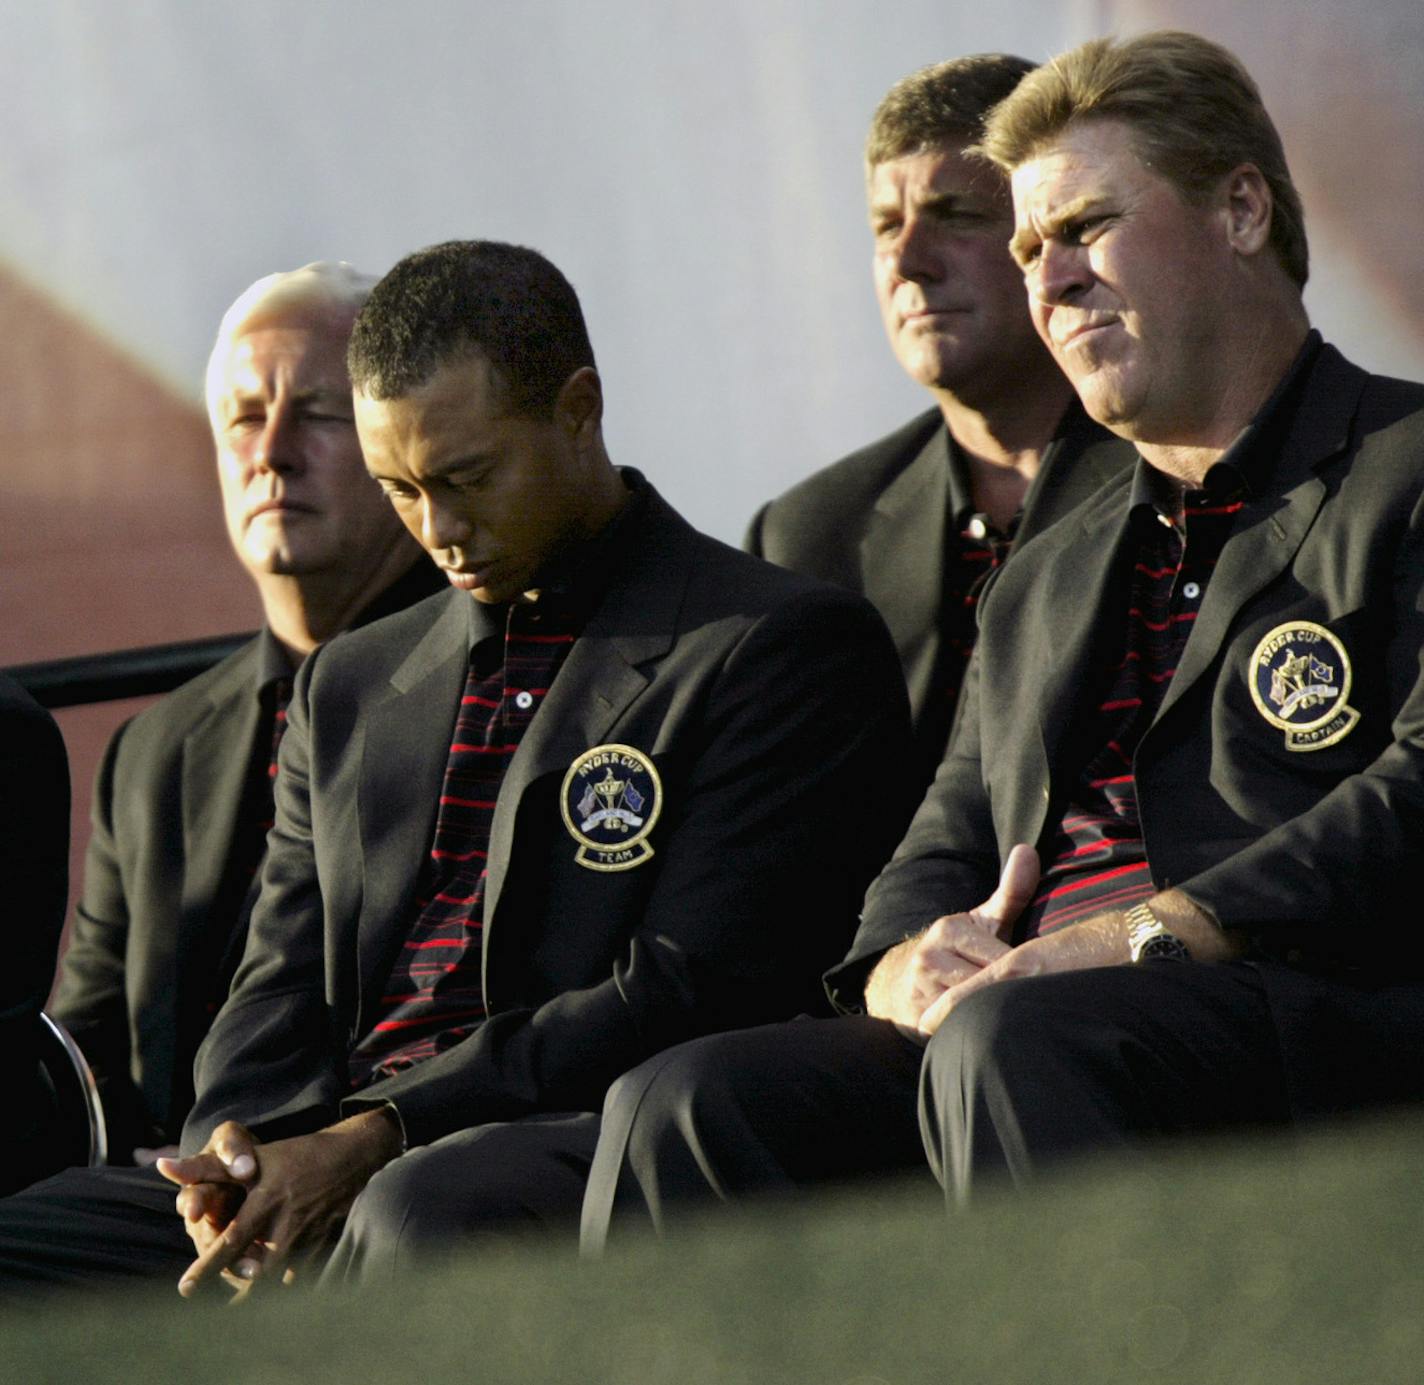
<point>1165,881</point>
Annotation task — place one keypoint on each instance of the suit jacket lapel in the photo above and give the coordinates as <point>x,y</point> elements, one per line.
<point>635,623</point>
<point>1081,459</point>
<point>1271,528</point>
<point>216,758</point>
<point>904,544</point>
<point>1088,565</point>
<point>405,746</point>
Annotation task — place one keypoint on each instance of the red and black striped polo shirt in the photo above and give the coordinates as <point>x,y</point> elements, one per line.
<point>976,547</point>
<point>434,998</point>
<point>1098,861</point>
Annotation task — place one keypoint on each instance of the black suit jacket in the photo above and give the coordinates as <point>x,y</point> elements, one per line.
<point>773,710</point>
<point>878,522</point>
<point>1316,854</point>
<point>34,848</point>
<point>162,891</point>
<point>34,863</point>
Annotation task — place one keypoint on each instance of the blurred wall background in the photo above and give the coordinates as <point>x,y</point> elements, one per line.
<point>695,171</point>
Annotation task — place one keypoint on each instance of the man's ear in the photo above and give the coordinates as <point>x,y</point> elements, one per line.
<point>579,406</point>
<point>1247,206</point>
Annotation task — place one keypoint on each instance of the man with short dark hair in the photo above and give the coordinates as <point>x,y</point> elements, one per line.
<point>529,832</point>
<point>183,798</point>
<point>918,520</point>
<point>1193,748</point>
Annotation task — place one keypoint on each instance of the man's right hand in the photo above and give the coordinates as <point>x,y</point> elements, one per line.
<point>911,976</point>
<point>213,1183</point>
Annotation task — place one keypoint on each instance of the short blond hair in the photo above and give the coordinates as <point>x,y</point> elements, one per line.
<point>1194,112</point>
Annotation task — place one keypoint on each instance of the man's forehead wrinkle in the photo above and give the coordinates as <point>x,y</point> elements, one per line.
<point>319,365</point>
<point>1036,219</point>
<point>1055,217</point>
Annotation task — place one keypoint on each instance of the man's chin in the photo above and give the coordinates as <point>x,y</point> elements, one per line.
<point>281,561</point>
<point>1104,389</point>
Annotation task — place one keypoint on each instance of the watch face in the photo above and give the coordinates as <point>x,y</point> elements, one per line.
<point>1164,945</point>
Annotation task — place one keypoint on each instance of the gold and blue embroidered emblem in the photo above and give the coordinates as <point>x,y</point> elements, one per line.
<point>610,803</point>
<point>1300,682</point>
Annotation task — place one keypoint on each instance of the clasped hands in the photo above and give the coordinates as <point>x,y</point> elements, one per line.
<point>258,1211</point>
<point>918,983</point>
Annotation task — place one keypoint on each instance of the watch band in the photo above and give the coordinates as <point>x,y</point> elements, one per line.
<point>1148,937</point>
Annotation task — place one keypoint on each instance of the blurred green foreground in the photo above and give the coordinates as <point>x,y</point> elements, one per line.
<point>1278,1261</point>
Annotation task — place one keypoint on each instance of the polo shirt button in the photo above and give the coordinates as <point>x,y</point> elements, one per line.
<point>1191,591</point>
<point>524,700</point>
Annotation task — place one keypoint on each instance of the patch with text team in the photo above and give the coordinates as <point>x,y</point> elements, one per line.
<point>610,801</point>
<point>1300,682</point>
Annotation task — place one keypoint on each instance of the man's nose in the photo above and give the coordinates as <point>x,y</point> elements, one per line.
<point>915,256</point>
<point>278,446</point>
<point>442,525</point>
<point>1059,274</point>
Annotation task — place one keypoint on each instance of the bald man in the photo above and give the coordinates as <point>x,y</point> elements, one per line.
<point>184,795</point>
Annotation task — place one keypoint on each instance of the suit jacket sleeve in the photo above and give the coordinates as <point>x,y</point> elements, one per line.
<point>91,1000</point>
<point>948,860</point>
<point>34,848</point>
<point>271,1059</point>
<point>790,795</point>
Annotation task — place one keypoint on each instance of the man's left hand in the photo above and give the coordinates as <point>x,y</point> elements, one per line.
<point>1099,941</point>
<point>298,1200</point>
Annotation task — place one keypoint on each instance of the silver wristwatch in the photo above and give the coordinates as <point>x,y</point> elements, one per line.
<point>1148,936</point>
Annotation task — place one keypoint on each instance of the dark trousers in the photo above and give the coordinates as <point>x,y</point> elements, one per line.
<point>1030,1072</point>
<point>759,1111</point>
<point>1022,1073</point>
<point>486,1184</point>
<point>93,1227</point>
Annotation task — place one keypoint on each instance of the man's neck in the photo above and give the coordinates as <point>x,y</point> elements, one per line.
<point>306,610</point>
<point>1249,371</point>
<point>1004,441</point>
<point>608,494</point>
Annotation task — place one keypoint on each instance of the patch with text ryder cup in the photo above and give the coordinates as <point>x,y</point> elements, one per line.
<point>610,801</point>
<point>1300,680</point>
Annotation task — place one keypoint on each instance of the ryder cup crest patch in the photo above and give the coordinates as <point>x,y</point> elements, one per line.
<point>610,803</point>
<point>1300,682</point>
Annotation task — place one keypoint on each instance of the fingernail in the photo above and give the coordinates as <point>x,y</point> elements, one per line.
<point>244,1166</point>
<point>186,1287</point>
<point>245,1269</point>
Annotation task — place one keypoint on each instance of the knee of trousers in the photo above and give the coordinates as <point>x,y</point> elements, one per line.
<point>995,1036</point>
<point>415,1203</point>
<point>669,1097</point>
<point>392,1199</point>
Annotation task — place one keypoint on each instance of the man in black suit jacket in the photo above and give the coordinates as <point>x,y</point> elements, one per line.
<point>1193,748</point>
<point>183,796</point>
<point>917,520</point>
<point>34,862</point>
<point>528,832</point>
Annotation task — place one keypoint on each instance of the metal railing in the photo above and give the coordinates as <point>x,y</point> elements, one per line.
<point>157,668</point>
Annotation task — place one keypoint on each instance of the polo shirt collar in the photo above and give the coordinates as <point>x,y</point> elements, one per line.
<point>1245,466</point>
<point>574,583</point>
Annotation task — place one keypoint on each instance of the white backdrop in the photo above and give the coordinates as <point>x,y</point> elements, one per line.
<point>694,169</point>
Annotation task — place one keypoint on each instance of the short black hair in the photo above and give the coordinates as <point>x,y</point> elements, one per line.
<point>469,298</point>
